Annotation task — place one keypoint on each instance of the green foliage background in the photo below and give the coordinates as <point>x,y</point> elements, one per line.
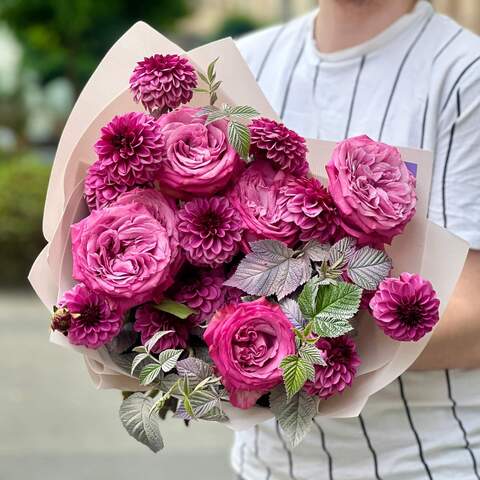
<point>67,38</point>
<point>23,185</point>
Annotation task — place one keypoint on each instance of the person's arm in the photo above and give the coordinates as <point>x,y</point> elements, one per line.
<point>455,205</point>
<point>455,342</point>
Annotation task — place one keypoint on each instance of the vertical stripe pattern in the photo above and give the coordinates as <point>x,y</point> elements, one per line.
<point>414,431</point>
<point>399,73</point>
<point>287,451</point>
<point>269,52</point>
<point>445,165</point>
<point>460,425</point>
<point>324,448</point>
<point>370,447</point>
<point>354,95</point>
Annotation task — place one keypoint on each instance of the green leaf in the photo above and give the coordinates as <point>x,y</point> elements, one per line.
<point>155,338</point>
<point>149,373</point>
<point>201,90</point>
<point>203,77</point>
<point>242,112</point>
<point>239,138</point>
<point>307,300</point>
<point>174,308</point>
<point>215,115</point>
<point>135,416</point>
<point>296,371</point>
<point>211,70</point>
<point>167,359</point>
<point>340,301</point>
<point>137,360</point>
<point>311,354</point>
<point>368,267</point>
<point>294,415</point>
<point>270,269</point>
<point>331,327</point>
<point>215,86</point>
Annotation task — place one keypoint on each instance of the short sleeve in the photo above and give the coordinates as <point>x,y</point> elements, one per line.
<point>457,157</point>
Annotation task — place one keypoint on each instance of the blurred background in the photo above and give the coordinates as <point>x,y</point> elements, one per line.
<point>53,424</point>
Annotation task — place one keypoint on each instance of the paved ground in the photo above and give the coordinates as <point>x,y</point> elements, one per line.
<point>54,425</point>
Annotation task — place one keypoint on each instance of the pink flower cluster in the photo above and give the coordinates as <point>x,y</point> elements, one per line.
<point>174,208</point>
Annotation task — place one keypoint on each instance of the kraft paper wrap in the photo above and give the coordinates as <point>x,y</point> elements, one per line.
<point>420,249</point>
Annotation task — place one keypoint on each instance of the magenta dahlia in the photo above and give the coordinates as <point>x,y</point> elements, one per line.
<point>342,362</point>
<point>149,321</point>
<point>99,192</point>
<point>210,231</point>
<point>94,320</point>
<point>163,82</point>
<point>131,148</point>
<point>405,308</point>
<point>310,206</point>
<point>274,142</point>
<point>202,290</point>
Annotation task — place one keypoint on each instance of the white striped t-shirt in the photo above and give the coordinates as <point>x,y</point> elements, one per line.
<point>417,84</point>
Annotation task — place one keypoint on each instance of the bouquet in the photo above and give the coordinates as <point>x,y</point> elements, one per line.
<point>210,262</point>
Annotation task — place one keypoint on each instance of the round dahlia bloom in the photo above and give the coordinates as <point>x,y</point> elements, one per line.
<point>405,308</point>
<point>99,192</point>
<point>247,342</point>
<point>94,319</point>
<point>164,209</point>
<point>210,231</point>
<point>257,196</point>
<point>310,206</point>
<point>163,82</point>
<point>373,189</point>
<point>203,291</point>
<point>199,160</point>
<point>149,321</point>
<point>275,143</point>
<point>122,252</point>
<point>131,148</point>
<point>342,362</point>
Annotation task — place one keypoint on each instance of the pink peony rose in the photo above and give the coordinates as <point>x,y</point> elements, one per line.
<point>247,342</point>
<point>163,208</point>
<point>122,252</point>
<point>199,159</point>
<point>257,196</point>
<point>372,188</point>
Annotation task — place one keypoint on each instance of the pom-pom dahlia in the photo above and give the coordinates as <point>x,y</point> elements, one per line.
<point>210,231</point>
<point>203,291</point>
<point>310,206</point>
<point>163,82</point>
<point>405,308</point>
<point>94,320</point>
<point>149,321</point>
<point>342,362</point>
<point>131,148</point>
<point>99,192</point>
<point>274,142</point>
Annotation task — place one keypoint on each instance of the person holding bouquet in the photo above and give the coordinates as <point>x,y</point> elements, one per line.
<point>405,75</point>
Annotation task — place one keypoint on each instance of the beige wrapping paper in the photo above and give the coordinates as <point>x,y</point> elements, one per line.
<point>106,94</point>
